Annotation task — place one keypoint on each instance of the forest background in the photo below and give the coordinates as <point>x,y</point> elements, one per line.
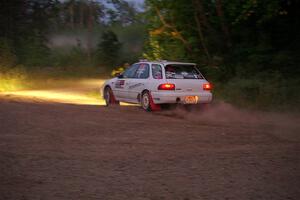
<point>248,49</point>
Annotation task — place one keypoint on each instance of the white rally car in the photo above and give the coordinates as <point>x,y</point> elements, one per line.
<point>152,84</point>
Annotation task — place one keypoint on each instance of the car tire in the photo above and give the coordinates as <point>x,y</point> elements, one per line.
<point>146,101</point>
<point>109,97</point>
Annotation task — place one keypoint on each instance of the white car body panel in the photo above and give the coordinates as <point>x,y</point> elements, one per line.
<point>130,89</point>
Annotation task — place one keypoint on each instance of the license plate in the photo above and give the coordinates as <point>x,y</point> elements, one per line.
<point>191,99</point>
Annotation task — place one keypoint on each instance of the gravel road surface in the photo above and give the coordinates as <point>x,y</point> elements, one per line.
<point>53,150</point>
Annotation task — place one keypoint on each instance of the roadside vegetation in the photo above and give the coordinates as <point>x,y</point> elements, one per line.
<point>248,49</point>
<point>43,41</point>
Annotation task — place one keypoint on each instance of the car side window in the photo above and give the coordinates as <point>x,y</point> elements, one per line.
<point>142,71</point>
<point>130,72</point>
<point>156,71</point>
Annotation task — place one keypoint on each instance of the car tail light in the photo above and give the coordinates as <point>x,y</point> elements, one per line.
<point>166,86</point>
<point>207,86</point>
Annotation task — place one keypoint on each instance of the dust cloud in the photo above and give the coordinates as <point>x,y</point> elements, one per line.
<point>69,41</point>
<point>224,114</point>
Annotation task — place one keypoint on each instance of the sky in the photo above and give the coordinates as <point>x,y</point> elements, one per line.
<point>134,1</point>
<point>137,1</point>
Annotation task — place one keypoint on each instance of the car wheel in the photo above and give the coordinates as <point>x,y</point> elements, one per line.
<point>109,97</point>
<point>145,101</point>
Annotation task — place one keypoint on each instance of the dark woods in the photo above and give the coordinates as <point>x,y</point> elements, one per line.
<point>249,49</point>
<point>43,33</point>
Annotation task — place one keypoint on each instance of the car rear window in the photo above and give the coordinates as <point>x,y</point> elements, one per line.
<point>177,71</point>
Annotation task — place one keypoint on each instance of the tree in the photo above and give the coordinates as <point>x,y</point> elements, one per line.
<point>251,44</point>
<point>124,12</point>
<point>108,49</point>
<point>24,24</point>
<point>79,14</point>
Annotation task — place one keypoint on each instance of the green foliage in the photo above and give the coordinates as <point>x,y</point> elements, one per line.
<point>170,35</point>
<point>7,56</point>
<point>153,50</point>
<point>27,28</point>
<point>108,49</point>
<point>75,57</point>
<point>271,92</point>
<point>12,79</point>
<point>248,49</point>
<point>33,51</point>
<point>23,25</point>
<point>123,12</point>
<point>27,52</point>
<point>132,37</point>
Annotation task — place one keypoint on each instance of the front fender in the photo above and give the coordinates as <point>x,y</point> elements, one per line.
<point>109,83</point>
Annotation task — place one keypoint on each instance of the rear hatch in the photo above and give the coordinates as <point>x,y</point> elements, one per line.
<point>186,77</point>
<point>188,85</point>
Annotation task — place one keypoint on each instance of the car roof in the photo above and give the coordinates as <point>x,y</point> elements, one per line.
<point>165,62</point>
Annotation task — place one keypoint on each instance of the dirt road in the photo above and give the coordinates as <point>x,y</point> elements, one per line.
<point>52,150</point>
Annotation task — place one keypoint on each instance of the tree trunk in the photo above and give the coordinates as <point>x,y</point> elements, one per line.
<point>81,14</point>
<point>71,12</point>
<point>224,27</point>
<point>197,17</point>
<point>201,14</point>
<point>90,29</point>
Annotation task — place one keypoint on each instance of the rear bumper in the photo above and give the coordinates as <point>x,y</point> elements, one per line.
<point>178,97</point>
